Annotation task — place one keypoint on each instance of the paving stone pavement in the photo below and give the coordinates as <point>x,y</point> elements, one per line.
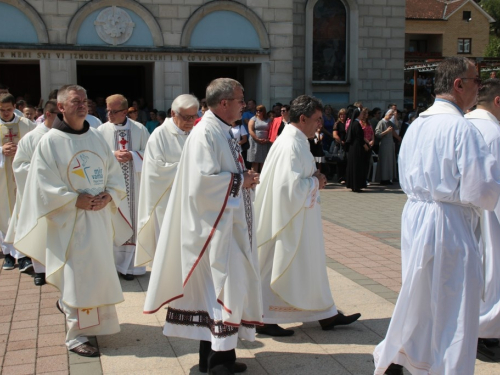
<point>362,234</point>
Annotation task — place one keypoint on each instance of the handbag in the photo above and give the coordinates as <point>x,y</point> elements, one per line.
<point>338,153</point>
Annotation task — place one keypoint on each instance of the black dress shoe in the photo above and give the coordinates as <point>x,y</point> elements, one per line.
<point>491,343</point>
<point>39,279</point>
<point>237,368</point>
<point>274,330</point>
<point>128,276</point>
<point>394,369</point>
<point>338,320</point>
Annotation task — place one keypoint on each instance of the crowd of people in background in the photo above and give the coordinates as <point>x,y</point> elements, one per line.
<point>352,156</point>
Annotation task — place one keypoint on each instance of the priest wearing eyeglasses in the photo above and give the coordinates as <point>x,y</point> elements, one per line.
<point>127,138</point>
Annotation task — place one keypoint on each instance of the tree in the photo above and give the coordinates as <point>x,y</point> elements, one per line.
<point>493,49</point>
<point>492,7</point>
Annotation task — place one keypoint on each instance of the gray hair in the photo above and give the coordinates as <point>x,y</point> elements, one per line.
<point>62,94</point>
<point>304,105</point>
<point>448,71</point>
<point>184,101</point>
<point>220,89</point>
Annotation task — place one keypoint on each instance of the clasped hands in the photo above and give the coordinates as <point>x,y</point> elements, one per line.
<point>9,149</point>
<point>321,178</point>
<point>250,179</point>
<point>123,156</point>
<point>93,202</point>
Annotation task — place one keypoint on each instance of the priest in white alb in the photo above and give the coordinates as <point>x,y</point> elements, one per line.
<point>486,119</point>
<point>73,188</point>
<point>159,167</point>
<point>12,129</point>
<point>21,165</point>
<point>127,138</point>
<point>448,174</point>
<point>205,267</point>
<point>291,250</point>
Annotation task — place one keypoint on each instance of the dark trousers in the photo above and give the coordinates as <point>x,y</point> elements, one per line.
<point>210,358</point>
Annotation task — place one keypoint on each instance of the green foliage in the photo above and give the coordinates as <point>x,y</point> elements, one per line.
<point>493,49</point>
<point>492,7</point>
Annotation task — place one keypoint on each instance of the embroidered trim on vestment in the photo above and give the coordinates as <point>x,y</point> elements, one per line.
<point>202,319</point>
<point>235,188</point>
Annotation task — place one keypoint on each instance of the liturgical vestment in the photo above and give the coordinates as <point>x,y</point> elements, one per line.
<point>205,267</point>
<point>448,174</point>
<point>12,131</point>
<point>75,245</point>
<point>291,250</point>
<point>133,137</point>
<point>159,167</point>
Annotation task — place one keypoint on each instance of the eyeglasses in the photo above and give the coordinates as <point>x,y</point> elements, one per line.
<point>477,80</point>
<point>188,117</point>
<point>241,101</point>
<point>111,112</point>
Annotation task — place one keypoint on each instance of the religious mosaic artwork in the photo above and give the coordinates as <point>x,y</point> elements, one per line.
<point>114,25</point>
<point>329,41</point>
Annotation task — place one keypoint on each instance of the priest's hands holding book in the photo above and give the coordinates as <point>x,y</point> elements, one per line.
<point>9,149</point>
<point>321,179</point>
<point>123,156</point>
<point>250,179</point>
<point>93,202</point>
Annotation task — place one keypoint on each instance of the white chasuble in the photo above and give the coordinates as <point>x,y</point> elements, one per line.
<point>205,266</point>
<point>20,166</point>
<point>489,319</point>
<point>132,137</point>
<point>75,245</point>
<point>448,173</point>
<point>12,131</point>
<point>161,159</point>
<point>295,285</point>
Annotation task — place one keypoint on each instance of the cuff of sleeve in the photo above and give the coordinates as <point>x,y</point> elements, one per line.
<point>2,158</point>
<point>312,195</point>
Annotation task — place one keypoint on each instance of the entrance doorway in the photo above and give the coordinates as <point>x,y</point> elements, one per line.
<point>200,75</point>
<point>23,79</point>
<point>134,81</point>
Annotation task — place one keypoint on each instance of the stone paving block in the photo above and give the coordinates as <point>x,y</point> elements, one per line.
<point>54,295</point>
<point>5,290</point>
<point>24,369</point>
<point>61,327</point>
<point>48,320</point>
<point>299,363</point>
<point>51,339</point>
<point>21,315</point>
<point>4,328</point>
<point>18,357</point>
<point>33,293</point>
<point>26,300</point>
<point>86,369</point>
<point>53,350</point>
<point>22,334</point>
<point>27,306</point>
<point>52,363</point>
<point>23,344</point>
<point>75,359</point>
<point>49,310</point>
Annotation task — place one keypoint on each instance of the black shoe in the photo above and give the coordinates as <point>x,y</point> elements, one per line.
<point>39,279</point>
<point>491,343</point>
<point>224,369</point>
<point>237,368</point>
<point>25,264</point>
<point>394,369</point>
<point>86,350</point>
<point>487,351</point>
<point>338,320</point>
<point>274,330</point>
<point>128,276</point>
<point>9,262</point>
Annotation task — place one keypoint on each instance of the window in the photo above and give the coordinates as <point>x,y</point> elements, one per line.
<point>464,45</point>
<point>418,45</point>
<point>329,41</point>
<point>466,15</point>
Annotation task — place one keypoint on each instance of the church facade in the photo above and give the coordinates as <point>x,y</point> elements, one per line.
<point>338,50</point>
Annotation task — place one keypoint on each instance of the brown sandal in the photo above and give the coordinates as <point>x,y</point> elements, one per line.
<point>86,350</point>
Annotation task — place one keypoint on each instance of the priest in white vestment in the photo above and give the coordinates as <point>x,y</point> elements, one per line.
<point>205,267</point>
<point>21,165</point>
<point>448,173</point>
<point>291,250</point>
<point>486,119</point>
<point>12,129</point>
<point>127,138</point>
<point>159,167</point>
<point>73,188</point>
